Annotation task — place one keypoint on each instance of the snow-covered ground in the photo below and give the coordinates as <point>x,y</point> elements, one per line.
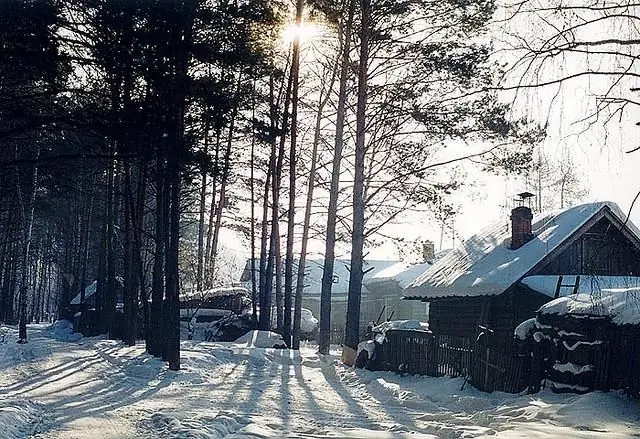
<point>60,386</point>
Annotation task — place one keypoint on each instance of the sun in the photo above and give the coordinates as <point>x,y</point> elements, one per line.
<point>303,32</point>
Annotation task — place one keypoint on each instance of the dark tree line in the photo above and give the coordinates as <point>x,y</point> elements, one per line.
<point>110,109</point>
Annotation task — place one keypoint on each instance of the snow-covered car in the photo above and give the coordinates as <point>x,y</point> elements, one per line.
<point>200,310</point>
<point>308,322</point>
<point>228,328</point>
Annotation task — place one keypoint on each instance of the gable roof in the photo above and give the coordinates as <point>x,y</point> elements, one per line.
<point>400,273</point>
<point>485,265</point>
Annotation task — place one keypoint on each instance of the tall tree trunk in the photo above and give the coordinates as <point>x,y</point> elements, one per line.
<point>203,205</point>
<point>352,328</point>
<point>85,253</point>
<point>157,282</point>
<point>138,224</point>
<point>254,292</point>
<point>181,38</point>
<point>111,296</point>
<point>291,214</point>
<point>263,278</point>
<point>130,276</point>
<point>264,239</point>
<point>329,254</point>
<point>212,210</point>
<point>322,102</point>
<point>27,210</point>
<point>172,267</point>
<point>225,178</point>
<point>278,274</point>
<point>265,322</point>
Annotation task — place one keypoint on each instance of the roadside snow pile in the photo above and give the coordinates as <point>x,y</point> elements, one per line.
<point>261,339</point>
<point>622,305</point>
<point>63,330</point>
<point>14,353</point>
<point>200,426</point>
<point>308,323</point>
<point>367,345</point>
<point>19,419</point>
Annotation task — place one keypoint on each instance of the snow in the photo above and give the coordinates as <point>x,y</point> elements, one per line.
<point>367,345</point>
<point>401,324</point>
<point>216,292</point>
<point>261,339</point>
<point>401,273</point>
<point>63,330</point>
<point>485,265</point>
<point>577,344</point>
<point>574,369</point>
<point>95,388</point>
<point>524,329</point>
<point>388,273</point>
<point>622,305</point>
<point>19,419</point>
<point>308,322</point>
<point>188,313</point>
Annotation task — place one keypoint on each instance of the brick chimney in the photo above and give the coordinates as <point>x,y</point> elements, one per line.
<point>428,252</point>
<point>521,217</point>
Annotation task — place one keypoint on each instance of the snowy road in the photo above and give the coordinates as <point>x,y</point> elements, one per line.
<point>58,387</point>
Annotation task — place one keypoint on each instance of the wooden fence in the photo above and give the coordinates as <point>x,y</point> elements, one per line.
<point>493,370</point>
<point>423,353</point>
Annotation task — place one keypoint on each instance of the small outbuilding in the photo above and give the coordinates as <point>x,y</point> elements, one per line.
<point>590,341</point>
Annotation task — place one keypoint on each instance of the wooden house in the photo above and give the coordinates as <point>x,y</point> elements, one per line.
<point>502,275</point>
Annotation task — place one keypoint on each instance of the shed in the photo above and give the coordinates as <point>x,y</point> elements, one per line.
<point>592,340</point>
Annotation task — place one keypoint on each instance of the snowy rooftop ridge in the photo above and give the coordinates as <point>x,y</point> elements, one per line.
<point>215,292</point>
<point>401,273</point>
<point>485,265</point>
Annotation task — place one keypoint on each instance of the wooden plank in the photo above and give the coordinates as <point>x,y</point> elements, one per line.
<point>558,286</point>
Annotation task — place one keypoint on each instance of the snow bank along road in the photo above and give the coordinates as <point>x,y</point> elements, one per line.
<point>60,386</point>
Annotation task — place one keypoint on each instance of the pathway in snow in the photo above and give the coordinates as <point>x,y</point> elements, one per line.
<point>56,387</point>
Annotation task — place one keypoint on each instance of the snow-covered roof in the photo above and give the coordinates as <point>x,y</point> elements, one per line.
<point>388,273</point>
<point>622,305</point>
<point>90,290</point>
<point>215,292</point>
<point>485,265</point>
<point>313,275</point>
<point>401,273</point>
